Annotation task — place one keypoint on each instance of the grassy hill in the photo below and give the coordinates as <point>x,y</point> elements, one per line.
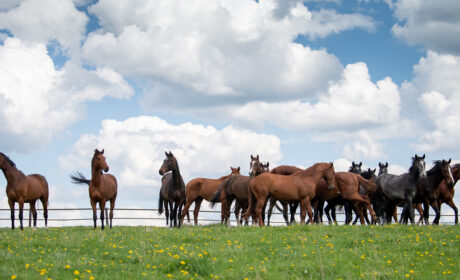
<point>218,252</point>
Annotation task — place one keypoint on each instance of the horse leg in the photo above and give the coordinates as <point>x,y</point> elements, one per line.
<point>174,212</point>
<point>188,202</point>
<point>418,206</point>
<point>293,209</point>
<point>112,206</point>
<point>270,209</point>
<point>93,205</point>
<point>307,207</point>
<point>426,212</point>
<point>44,201</point>
<point>34,213</point>
<point>285,210</point>
<point>102,206</point>
<point>259,205</point>
<point>395,214</point>
<point>21,213</point>
<point>326,210</point>
<point>11,204</point>
<point>437,212</point>
<point>195,211</point>
<point>454,207</point>
<point>166,205</point>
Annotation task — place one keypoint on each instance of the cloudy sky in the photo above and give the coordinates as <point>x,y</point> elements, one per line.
<point>215,81</point>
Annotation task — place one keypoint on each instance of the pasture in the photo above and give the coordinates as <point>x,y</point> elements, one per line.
<point>220,252</point>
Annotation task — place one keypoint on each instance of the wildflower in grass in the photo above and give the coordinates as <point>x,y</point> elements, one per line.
<point>230,260</point>
<point>91,278</point>
<point>182,262</point>
<point>76,272</point>
<point>169,275</point>
<point>389,261</point>
<point>13,276</point>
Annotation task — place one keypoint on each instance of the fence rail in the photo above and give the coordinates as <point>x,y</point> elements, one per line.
<point>155,217</point>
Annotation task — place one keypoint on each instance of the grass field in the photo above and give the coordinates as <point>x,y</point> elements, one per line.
<point>217,252</point>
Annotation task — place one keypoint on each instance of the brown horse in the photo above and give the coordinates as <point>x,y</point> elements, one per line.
<point>446,192</point>
<point>284,170</point>
<point>300,186</point>
<point>102,187</point>
<point>202,188</point>
<point>172,188</point>
<point>24,189</point>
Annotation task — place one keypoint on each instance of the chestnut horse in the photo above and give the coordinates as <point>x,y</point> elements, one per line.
<point>283,170</point>
<point>24,189</point>
<point>202,188</point>
<point>300,186</point>
<point>102,187</point>
<point>446,192</point>
<point>172,188</point>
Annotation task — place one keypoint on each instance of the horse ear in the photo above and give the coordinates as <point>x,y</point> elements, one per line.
<point>252,158</point>
<point>423,157</point>
<point>268,163</point>
<point>257,157</point>
<point>332,164</point>
<point>449,161</point>
<point>96,151</point>
<point>360,163</point>
<point>102,152</point>
<point>386,164</point>
<point>380,164</point>
<point>238,168</point>
<point>375,169</point>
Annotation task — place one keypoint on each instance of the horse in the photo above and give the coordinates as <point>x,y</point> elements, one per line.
<point>383,168</point>
<point>446,192</point>
<point>102,187</point>
<point>428,191</point>
<point>172,189</point>
<point>22,189</point>
<point>283,170</point>
<point>335,199</point>
<point>202,188</point>
<point>394,188</point>
<point>300,186</point>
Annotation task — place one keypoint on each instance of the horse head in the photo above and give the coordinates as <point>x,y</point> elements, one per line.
<point>256,166</point>
<point>355,168</point>
<point>235,171</point>
<point>383,168</point>
<point>329,175</point>
<point>446,172</point>
<point>370,174</point>
<point>419,165</point>
<point>266,167</point>
<point>5,161</point>
<point>169,163</point>
<point>98,161</point>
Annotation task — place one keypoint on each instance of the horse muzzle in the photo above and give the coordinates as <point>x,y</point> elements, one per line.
<point>330,187</point>
<point>106,169</point>
<point>161,172</point>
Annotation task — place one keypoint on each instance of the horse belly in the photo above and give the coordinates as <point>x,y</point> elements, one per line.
<point>285,194</point>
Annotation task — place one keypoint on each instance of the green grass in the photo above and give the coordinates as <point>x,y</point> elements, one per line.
<point>210,252</point>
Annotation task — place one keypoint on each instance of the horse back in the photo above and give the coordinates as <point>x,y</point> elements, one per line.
<point>37,187</point>
<point>238,186</point>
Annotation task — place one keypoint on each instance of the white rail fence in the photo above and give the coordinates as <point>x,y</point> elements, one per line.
<point>150,216</point>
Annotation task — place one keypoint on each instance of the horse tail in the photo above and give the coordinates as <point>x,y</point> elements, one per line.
<point>249,211</point>
<point>79,178</point>
<point>216,197</point>
<point>370,186</point>
<point>160,204</point>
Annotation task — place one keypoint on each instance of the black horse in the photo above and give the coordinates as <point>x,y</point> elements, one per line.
<point>172,189</point>
<point>393,189</point>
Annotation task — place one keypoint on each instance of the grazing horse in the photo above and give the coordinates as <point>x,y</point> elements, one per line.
<point>202,188</point>
<point>300,186</point>
<point>394,188</point>
<point>102,187</point>
<point>428,191</point>
<point>446,192</point>
<point>172,189</point>
<point>24,189</point>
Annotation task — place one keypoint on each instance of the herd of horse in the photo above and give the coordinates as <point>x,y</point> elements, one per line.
<point>357,191</point>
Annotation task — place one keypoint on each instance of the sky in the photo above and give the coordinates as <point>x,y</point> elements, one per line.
<point>216,81</point>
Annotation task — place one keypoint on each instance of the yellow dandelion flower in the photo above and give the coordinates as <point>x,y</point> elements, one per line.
<point>91,278</point>
<point>13,276</point>
<point>182,262</point>
<point>76,272</point>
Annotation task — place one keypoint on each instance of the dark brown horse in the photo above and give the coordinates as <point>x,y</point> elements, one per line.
<point>102,187</point>
<point>24,189</point>
<point>428,188</point>
<point>300,186</point>
<point>446,192</point>
<point>172,189</point>
<point>202,188</point>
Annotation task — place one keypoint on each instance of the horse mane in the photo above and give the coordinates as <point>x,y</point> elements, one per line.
<point>457,165</point>
<point>8,159</point>
<point>435,168</point>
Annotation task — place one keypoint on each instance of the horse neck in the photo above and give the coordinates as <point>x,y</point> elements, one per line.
<point>313,173</point>
<point>434,177</point>
<point>176,175</point>
<point>12,173</point>
<point>456,172</point>
<point>96,176</point>
<point>414,174</point>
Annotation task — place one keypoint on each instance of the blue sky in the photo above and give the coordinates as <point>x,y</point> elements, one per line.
<point>216,81</point>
